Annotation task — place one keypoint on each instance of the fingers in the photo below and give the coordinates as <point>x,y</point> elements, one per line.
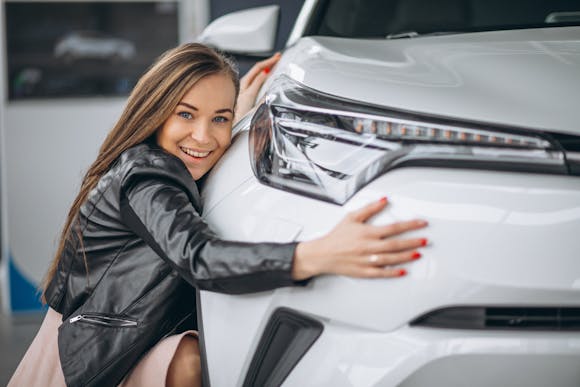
<point>356,249</point>
<point>381,272</point>
<point>381,265</point>
<point>365,213</point>
<point>396,228</point>
<point>394,245</point>
<point>261,67</point>
<point>257,83</point>
<point>251,83</point>
<point>247,97</point>
<point>365,271</point>
<point>391,259</point>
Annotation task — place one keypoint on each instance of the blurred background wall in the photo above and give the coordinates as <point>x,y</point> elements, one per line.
<point>67,68</point>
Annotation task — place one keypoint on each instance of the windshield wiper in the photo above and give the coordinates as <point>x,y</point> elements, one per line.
<point>552,23</point>
<point>401,35</point>
<point>414,34</point>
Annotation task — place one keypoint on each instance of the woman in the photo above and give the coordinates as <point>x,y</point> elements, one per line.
<point>134,245</point>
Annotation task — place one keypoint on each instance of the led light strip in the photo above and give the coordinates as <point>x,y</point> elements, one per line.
<point>397,129</point>
<point>405,130</point>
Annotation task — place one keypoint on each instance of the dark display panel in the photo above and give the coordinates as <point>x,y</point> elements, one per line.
<point>72,49</point>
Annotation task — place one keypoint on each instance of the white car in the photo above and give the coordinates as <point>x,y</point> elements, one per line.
<point>465,113</point>
<point>93,45</point>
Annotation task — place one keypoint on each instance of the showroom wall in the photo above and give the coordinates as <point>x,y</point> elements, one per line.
<point>57,107</point>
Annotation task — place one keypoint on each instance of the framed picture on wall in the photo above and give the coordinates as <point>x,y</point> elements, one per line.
<point>84,48</point>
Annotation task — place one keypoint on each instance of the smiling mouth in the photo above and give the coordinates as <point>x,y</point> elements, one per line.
<point>192,153</point>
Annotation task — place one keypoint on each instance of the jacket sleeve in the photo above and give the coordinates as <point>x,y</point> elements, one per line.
<point>158,208</point>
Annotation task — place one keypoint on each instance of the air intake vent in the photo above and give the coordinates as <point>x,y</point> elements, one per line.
<point>512,318</point>
<point>286,338</point>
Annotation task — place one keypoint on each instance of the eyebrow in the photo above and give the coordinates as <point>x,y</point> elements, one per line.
<point>226,110</point>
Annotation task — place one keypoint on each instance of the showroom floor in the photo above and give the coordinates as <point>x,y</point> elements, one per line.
<point>16,333</point>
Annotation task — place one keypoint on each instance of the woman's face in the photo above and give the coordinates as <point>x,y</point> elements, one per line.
<point>200,129</point>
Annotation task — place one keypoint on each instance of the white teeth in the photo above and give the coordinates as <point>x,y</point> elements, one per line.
<point>194,153</point>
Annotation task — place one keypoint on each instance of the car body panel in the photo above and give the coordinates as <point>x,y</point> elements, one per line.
<point>414,357</point>
<point>470,212</point>
<point>481,77</point>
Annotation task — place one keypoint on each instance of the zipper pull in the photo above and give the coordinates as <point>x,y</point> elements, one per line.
<point>75,318</point>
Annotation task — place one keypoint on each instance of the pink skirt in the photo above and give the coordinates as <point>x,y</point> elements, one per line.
<point>40,366</point>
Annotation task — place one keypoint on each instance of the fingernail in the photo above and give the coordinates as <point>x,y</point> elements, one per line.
<point>416,255</point>
<point>424,242</point>
<point>423,222</point>
<point>383,199</point>
<point>266,70</point>
<point>402,272</point>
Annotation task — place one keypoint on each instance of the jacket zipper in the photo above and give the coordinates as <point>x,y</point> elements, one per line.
<point>103,320</point>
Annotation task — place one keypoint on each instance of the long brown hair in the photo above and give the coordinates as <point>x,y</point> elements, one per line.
<point>149,105</point>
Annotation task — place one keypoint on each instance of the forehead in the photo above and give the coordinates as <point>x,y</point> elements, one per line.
<point>212,90</point>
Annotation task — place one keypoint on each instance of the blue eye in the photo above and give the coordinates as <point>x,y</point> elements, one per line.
<point>221,119</point>
<point>186,115</point>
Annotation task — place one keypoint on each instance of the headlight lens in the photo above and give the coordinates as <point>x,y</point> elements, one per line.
<point>328,148</point>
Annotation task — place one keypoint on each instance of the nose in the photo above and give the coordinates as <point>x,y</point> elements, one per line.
<point>201,133</point>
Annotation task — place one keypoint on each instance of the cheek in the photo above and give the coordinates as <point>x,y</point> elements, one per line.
<point>161,137</point>
<point>224,138</point>
<point>169,134</point>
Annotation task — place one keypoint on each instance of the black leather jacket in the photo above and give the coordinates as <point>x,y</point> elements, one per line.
<point>145,247</point>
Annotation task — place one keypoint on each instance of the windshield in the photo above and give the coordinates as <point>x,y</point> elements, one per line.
<point>407,18</point>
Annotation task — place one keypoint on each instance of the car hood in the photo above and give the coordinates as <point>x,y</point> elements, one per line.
<point>520,78</point>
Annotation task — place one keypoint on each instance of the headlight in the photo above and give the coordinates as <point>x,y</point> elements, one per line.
<point>315,144</point>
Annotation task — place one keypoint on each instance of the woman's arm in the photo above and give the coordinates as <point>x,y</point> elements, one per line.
<point>160,211</point>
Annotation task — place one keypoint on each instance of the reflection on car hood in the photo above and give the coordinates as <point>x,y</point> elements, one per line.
<point>521,78</point>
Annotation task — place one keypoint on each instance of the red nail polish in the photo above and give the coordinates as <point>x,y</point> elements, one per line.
<point>402,272</point>
<point>424,242</point>
<point>383,199</point>
<point>416,255</point>
<point>267,70</point>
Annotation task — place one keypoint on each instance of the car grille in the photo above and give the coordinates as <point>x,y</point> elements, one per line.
<point>508,318</point>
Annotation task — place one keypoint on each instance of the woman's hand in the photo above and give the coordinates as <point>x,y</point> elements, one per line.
<point>356,249</point>
<point>250,84</point>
